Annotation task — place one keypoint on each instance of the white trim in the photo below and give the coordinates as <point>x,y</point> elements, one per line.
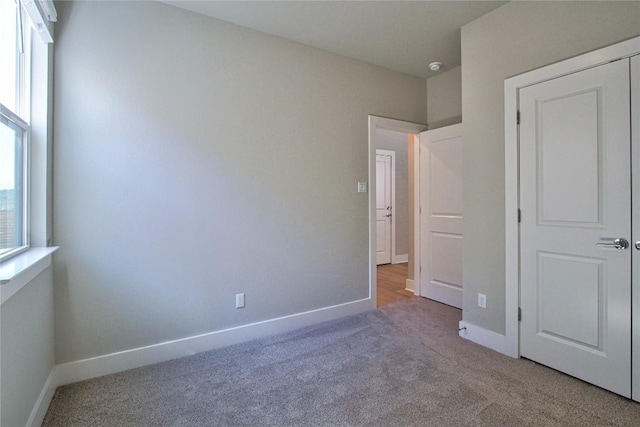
<point>579,63</point>
<point>39,20</point>
<point>512,239</point>
<point>512,244</point>
<point>415,285</point>
<point>376,122</point>
<point>44,400</point>
<point>486,338</point>
<point>134,358</point>
<point>16,272</point>
<point>410,286</point>
<point>635,228</point>
<point>400,259</point>
<point>40,143</point>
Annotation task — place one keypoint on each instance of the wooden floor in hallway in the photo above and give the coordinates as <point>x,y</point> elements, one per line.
<point>392,281</point>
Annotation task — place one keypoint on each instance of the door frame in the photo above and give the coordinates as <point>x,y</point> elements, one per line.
<point>635,228</point>
<point>391,154</point>
<point>375,123</point>
<point>510,345</point>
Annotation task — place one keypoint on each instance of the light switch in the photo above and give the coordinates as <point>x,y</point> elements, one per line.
<point>362,187</point>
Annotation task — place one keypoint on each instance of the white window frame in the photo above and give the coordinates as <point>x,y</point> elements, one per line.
<point>23,91</point>
<point>35,109</point>
<point>21,118</point>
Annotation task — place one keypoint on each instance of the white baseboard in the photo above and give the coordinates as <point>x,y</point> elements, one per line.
<point>44,400</point>
<point>486,338</point>
<point>410,286</point>
<point>134,358</point>
<point>399,259</point>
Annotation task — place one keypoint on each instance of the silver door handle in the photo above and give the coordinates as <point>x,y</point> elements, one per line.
<point>388,215</point>
<point>637,245</point>
<point>619,243</point>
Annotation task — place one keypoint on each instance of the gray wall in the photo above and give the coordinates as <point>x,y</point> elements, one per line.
<point>444,103</point>
<point>398,142</point>
<point>26,327</point>
<point>195,159</point>
<point>515,38</point>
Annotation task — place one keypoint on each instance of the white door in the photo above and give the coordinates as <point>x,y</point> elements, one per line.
<point>635,132</point>
<point>575,201</point>
<point>441,215</point>
<point>384,207</point>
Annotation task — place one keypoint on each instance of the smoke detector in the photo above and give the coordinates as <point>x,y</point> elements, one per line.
<point>435,66</point>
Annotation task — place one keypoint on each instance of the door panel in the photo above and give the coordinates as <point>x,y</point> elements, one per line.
<point>446,261</point>
<point>578,112</point>
<point>445,177</point>
<point>581,283</point>
<point>383,209</point>
<point>575,194</point>
<point>441,215</point>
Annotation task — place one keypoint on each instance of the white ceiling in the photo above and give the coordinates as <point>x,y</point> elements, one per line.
<point>401,35</point>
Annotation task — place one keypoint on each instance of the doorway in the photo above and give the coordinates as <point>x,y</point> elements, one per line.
<point>391,286</point>
<point>377,125</point>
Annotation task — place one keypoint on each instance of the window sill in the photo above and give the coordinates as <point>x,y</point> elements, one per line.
<point>19,270</point>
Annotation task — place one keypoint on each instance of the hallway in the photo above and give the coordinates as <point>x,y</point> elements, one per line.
<point>391,283</point>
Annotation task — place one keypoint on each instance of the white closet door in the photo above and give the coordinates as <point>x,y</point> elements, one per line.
<point>384,208</point>
<point>575,191</point>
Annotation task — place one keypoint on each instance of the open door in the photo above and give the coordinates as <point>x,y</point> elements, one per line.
<point>441,215</point>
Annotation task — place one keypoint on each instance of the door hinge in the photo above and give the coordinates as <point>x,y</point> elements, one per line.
<point>519,314</point>
<point>420,269</point>
<point>519,216</point>
<point>518,117</point>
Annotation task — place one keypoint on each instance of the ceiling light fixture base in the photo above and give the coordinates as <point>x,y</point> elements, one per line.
<point>435,66</point>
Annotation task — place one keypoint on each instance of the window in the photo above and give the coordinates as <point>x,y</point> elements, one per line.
<point>14,132</point>
<point>17,19</point>
<point>13,184</point>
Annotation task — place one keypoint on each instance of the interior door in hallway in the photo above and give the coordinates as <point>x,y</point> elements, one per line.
<point>384,205</point>
<point>441,215</point>
<point>575,201</point>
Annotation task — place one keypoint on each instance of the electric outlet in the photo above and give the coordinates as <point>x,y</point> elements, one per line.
<point>239,300</point>
<point>482,300</point>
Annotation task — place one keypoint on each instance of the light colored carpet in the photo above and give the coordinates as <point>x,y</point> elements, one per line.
<point>400,365</point>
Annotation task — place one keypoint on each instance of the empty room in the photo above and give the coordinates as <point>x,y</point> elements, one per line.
<point>331,213</point>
